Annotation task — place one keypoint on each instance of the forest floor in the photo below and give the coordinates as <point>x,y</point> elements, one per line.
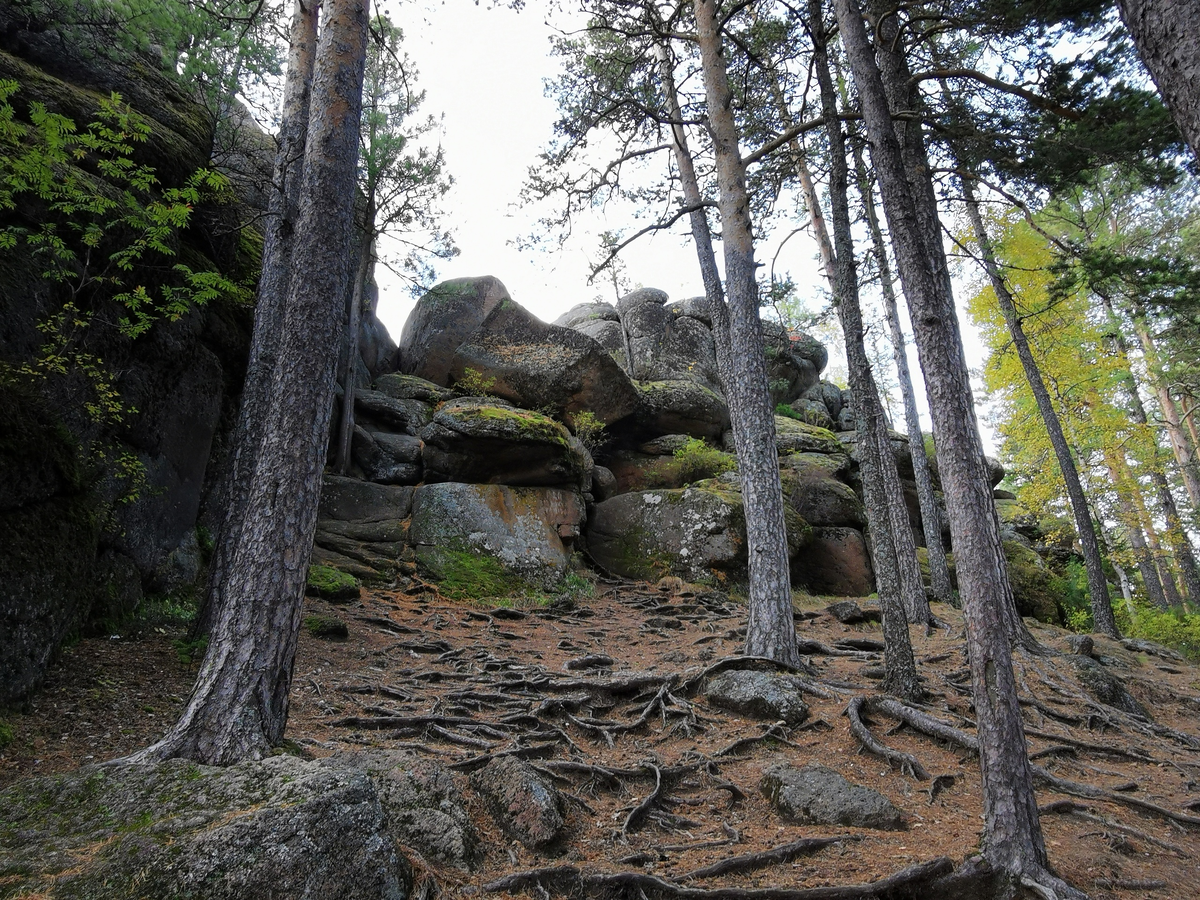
<point>457,681</point>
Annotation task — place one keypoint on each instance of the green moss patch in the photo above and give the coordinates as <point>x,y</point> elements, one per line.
<point>330,584</point>
<point>327,627</point>
<point>463,575</point>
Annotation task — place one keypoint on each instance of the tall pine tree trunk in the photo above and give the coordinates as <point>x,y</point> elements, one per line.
<point>1166,37</point>
<point>770,630</point>
<point>1013,841</point>
<point>239,706</point>
<point>273,285</point>
<point>1102,613</point>
<point>893,557</point>
<point>1118,472</point>
<point>931,514</point>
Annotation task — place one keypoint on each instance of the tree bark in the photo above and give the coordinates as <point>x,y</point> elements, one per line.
<point>239,706</point>
<point>1132,521</point>
<point>1013,841</point>
<point>1180,440</point>
<point>269,305</point>
<point>1164,32</point>
<point>1102,612</point>
<point>892,558</point>
<point>770,630</point>
<point>931,514</point>
<point>362,271</point>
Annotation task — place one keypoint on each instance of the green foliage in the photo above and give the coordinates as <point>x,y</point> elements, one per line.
<point>1176,629</point>
<point>589,430</point>
<point>161,611</point>
<point>190,652</point>
<point>473,384</point>
<point>105,235</point>
<point>6,734</point>
<point>1071,590</point>
<point>697,461</point>
<point>402,177</point>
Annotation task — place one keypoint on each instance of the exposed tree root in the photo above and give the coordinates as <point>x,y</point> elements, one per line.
<point>1070,807</point>
<point>751,862</point>
<point>907,763</point>
<point>568,880</point>
<point>1090,792</point>
<point>640,812</point>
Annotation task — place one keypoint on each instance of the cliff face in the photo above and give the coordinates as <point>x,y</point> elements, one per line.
<point>71,555</point>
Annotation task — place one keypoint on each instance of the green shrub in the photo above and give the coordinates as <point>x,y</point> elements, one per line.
<point>1176,629</point>
<point>589,430</point>
<point>473,384</point>
<point>6,734</point>
<point>190,652</point>
<point>782,409</point>
<point>697,461</point>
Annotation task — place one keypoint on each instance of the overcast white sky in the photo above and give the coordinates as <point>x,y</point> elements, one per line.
<point>484,69</point>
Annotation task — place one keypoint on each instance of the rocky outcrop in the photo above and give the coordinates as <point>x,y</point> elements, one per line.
<point>835,561</point>
<point>529,532</point>
<point>475,440</point>
<point>254,831</point>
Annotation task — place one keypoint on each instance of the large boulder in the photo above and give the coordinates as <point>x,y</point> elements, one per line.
<point>835,562</point>
<point>477,441</point>
<point>535,365</point>
<point>592,311</point>
<point>403,415</point>
<point>525,534</point>
<point>424,808</point>
<point>681,407</point>
<point>826,501</point>
<point>1033,587</point>
<point>794,362</point>
<point>362,528</point>
<point>409,387</point>
<point>255,831</point>
<point>698,533</point>
<point>817,795</point>
<point>524,804</point>
<point>665,346</point>
<point>387,458</point>
<point>446,316</point>
<point>793,436</point>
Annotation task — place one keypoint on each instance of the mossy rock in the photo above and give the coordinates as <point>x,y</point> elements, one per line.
<point>326,627</point>
<point>792,435</point>
<point>1032,584</point>
<point>465,575</point>
<point>328,583</point>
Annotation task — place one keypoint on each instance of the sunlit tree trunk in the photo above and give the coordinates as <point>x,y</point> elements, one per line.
<point>239,706</point>
<point>1147,567</point>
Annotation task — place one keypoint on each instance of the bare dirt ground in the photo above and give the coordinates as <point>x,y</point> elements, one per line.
<point>457,682</point>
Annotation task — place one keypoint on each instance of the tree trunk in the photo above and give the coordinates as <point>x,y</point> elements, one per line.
<point>239,706</point>
<point>770,630</point>
<point>1118,472</point>
<point>714,293</point>
<point>1164,32</point>
<point>1180,544</point>
<point>362,271</point>
<point>931,514</point>
<point>273,287</point>
<point>1181,445</point>
<point>897,569</point>
<point>874,443</point>
<point>1102,613</point>
<point>1013,841</point>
